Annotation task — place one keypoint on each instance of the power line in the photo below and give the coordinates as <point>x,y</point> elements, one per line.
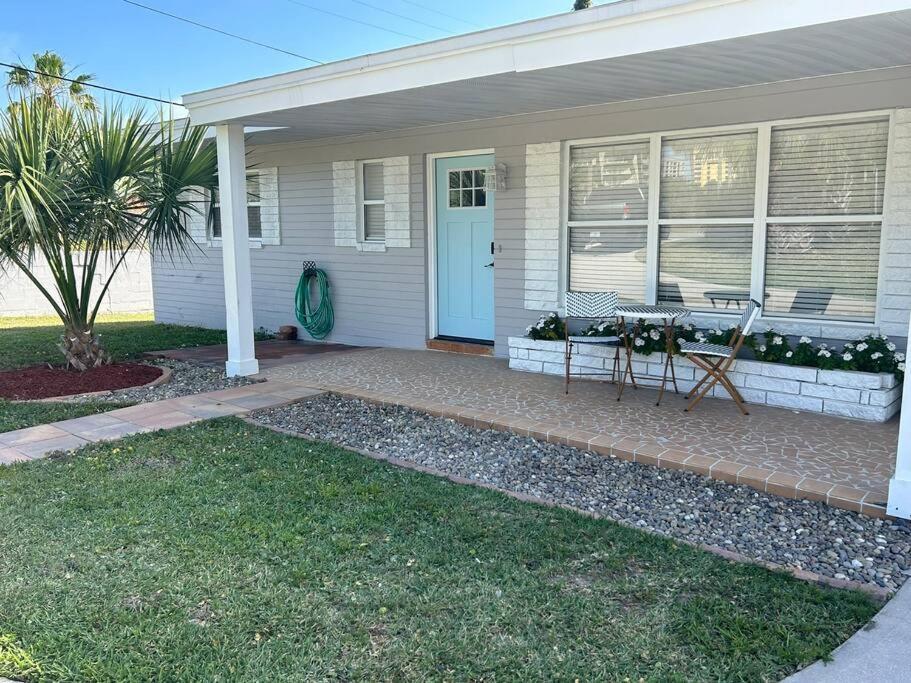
<point>347,18</point>
<point>89,85</point>
<point>402,16</point>
<point>224,33</point>
<point>441,13</point>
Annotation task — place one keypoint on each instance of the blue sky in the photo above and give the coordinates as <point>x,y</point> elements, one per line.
<point>133,49</point>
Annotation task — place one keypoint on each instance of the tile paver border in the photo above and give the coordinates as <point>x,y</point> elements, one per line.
<point>649,453</point>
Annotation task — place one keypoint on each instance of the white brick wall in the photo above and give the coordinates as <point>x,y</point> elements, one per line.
<point>396,188</point>
<point>269,210</point>
<point>895,280</point>
<point>131,291</point>
<point>542,226</point>
<point>861,395</point>
<point>344,205</point>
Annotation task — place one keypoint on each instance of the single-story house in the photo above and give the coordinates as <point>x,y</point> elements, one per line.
<point>685,151</point>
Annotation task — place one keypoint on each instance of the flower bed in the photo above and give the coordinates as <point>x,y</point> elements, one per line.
<point>41,382</point>
<point>874,396</point>
<point>873,353</point>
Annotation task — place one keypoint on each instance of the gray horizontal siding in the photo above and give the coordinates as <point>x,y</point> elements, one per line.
<point>381,298</point>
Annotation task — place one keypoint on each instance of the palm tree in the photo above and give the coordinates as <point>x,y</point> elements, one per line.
<point>95,183</point>
<point>45,78</point>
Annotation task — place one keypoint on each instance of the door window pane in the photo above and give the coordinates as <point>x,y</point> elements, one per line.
<point>466,189</point>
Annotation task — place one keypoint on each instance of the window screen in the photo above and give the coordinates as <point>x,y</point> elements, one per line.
<point>373,209</point>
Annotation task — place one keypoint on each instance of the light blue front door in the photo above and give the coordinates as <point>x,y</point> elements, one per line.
<point>465,259</point>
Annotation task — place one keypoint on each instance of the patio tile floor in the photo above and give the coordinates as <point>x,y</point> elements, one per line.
<point>846,462</point>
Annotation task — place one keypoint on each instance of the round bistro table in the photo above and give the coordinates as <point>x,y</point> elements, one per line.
<point>637,312</point>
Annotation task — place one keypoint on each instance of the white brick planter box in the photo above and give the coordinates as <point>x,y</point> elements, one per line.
<point>861,395</point>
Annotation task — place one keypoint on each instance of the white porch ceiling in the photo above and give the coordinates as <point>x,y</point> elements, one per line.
<point>856,44</point>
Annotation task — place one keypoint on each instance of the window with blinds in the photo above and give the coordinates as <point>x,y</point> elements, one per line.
<point>254,209</point>
<point>684,234</point>
<point>373,204</point>
<point>706,207</point>
<point>608,218</point>
<point>826,189</point>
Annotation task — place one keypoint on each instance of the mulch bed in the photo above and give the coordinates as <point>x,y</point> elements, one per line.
<point>46,382</point>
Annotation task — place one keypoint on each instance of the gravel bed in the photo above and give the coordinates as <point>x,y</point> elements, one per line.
<point>188,378</point>
<point>803,534</point>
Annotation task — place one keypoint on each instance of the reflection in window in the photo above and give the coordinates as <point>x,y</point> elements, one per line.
<point>609,182</point>
<point>710,176</point>
<point>609,259</point>
<point>466,188</point>
<point>706,265</point>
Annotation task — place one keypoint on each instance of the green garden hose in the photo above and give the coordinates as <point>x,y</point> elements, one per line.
<point>317,321</point>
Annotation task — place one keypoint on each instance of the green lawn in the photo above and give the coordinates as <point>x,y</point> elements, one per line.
<point>22,415</point>
<point>227,552</point>
<point>32,341</point>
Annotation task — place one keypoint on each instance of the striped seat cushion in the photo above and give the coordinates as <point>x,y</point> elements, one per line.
<point>579,339</point>
<point>706,349</point>
<point>643,311</point>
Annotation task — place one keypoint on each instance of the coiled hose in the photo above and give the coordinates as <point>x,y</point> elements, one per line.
<point>317,321</point>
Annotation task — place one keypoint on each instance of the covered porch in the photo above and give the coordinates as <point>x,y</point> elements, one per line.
<point>625,52</point>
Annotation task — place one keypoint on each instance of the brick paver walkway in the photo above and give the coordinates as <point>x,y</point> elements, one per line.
<point>846,463</point>
<point>37,442</point>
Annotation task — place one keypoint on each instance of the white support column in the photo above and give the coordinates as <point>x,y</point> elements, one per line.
<point>235,240</point>
<point>899,503</point>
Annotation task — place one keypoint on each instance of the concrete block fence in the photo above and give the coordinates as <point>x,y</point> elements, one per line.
<point>130,292</point>
<point>862,395</point>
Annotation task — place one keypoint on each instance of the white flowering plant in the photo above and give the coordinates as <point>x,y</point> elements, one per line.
<point>773,348</point>
<point>803,353</point>
<point>550,327</point>
<point>873,353</point>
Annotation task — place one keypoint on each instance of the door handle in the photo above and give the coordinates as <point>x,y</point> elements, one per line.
<point>489,265</point>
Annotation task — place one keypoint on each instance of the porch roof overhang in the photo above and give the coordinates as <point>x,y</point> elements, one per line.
<point>624,51</point>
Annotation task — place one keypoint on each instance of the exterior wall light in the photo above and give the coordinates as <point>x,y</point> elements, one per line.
<point>495,177</point>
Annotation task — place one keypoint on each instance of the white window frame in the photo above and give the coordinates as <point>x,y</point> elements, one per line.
<point>760,219</point>
<point>361,202</point>
<point>255,242</point>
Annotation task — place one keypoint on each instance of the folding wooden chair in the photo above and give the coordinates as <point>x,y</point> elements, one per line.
<point>596,306</point>
<point>716,359</point>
